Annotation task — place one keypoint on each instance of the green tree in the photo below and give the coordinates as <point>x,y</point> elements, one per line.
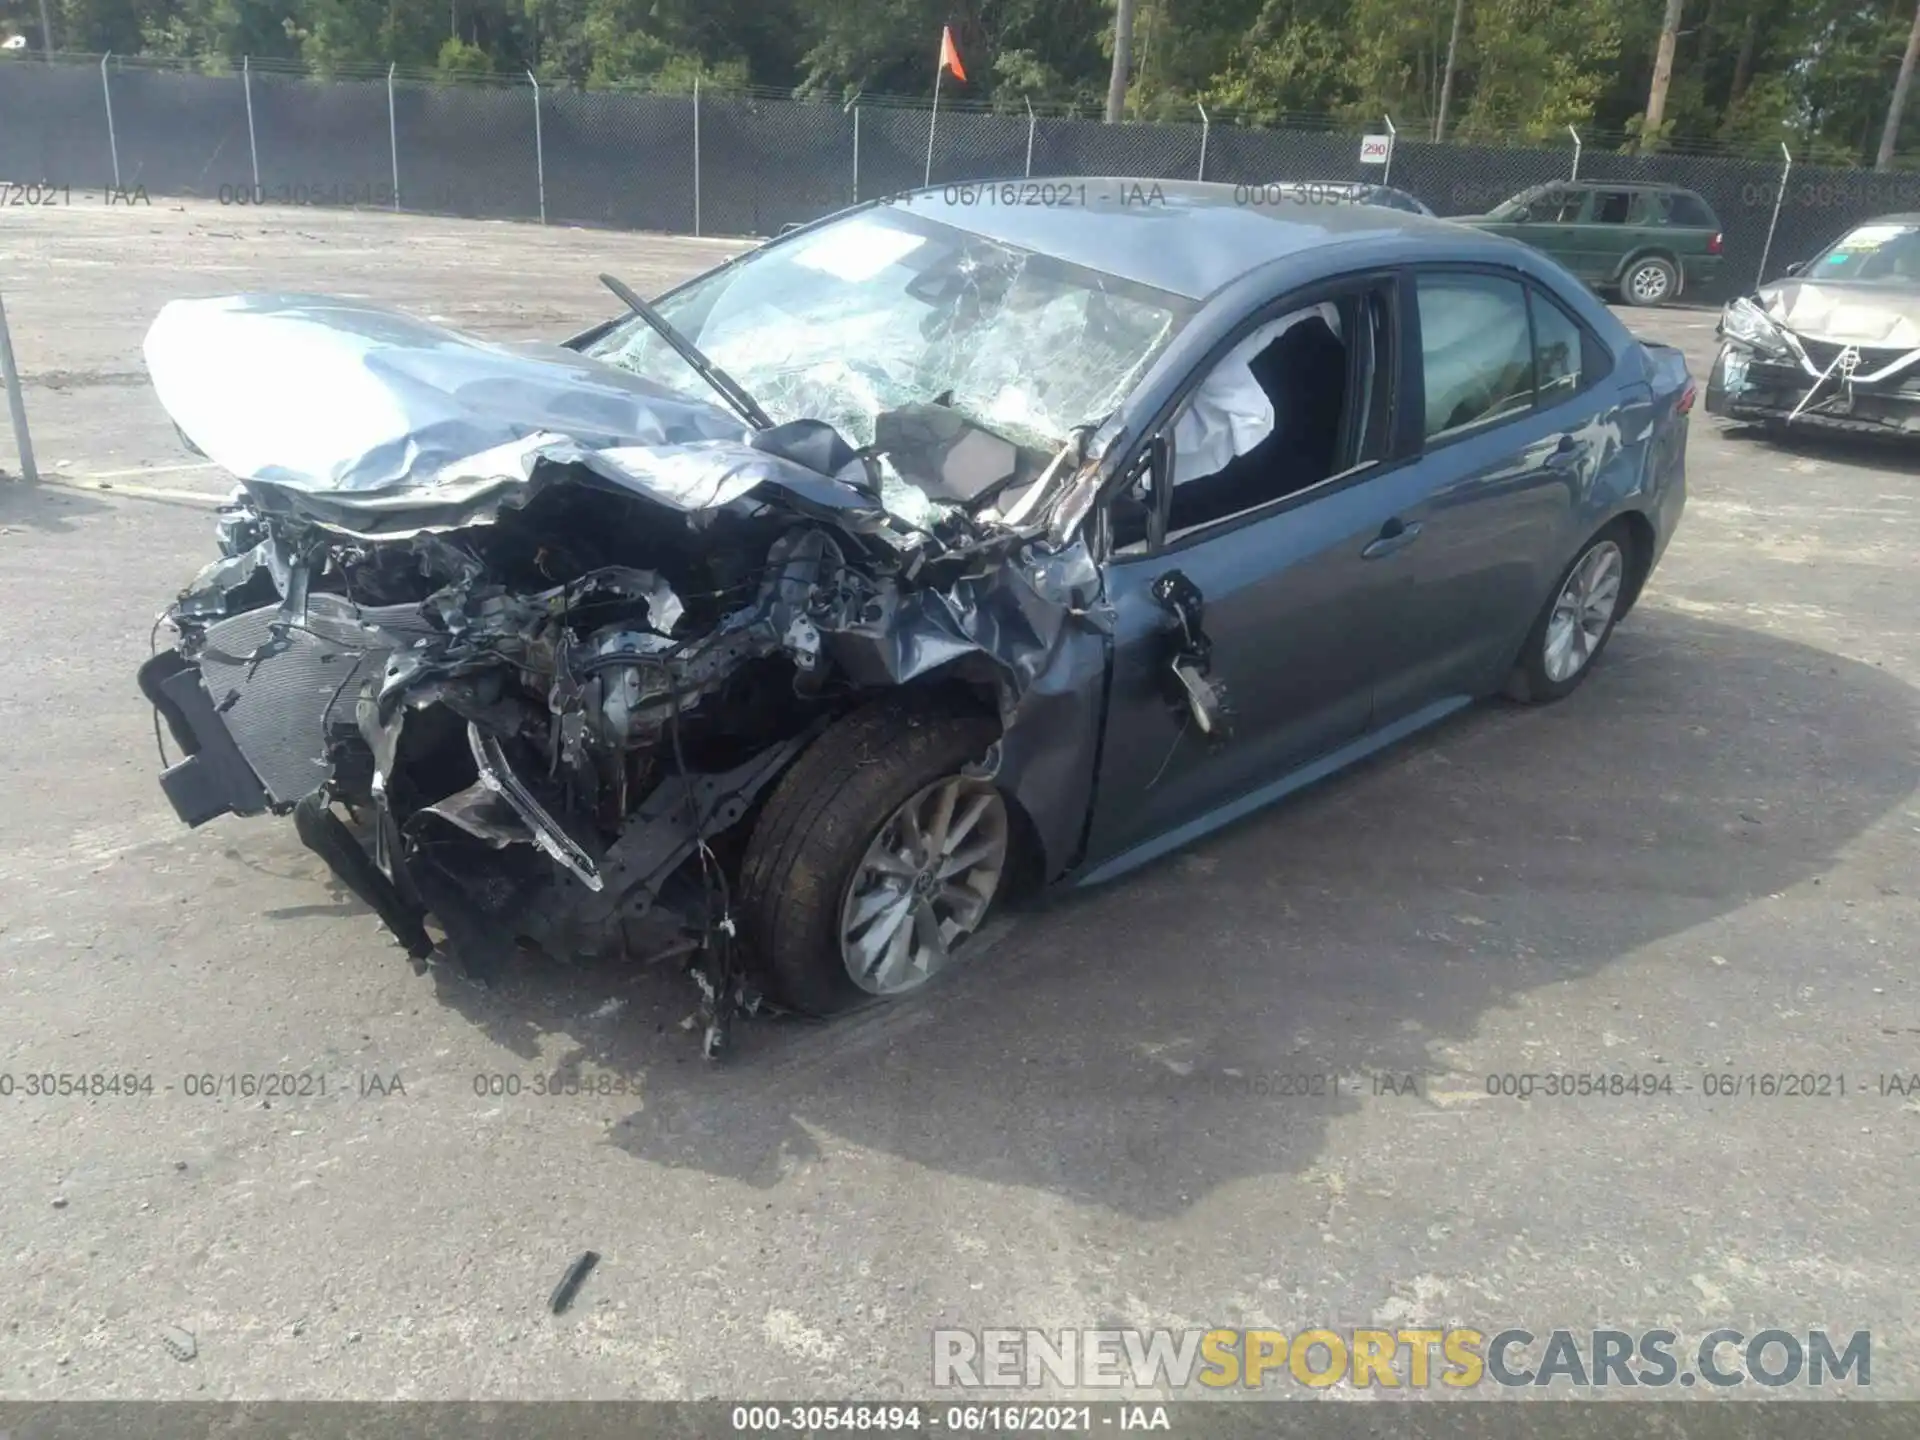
<point>460,57</point>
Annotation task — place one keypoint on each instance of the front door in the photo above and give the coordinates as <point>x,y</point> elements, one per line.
<point>1282,573</point>
<point>1553,224</point>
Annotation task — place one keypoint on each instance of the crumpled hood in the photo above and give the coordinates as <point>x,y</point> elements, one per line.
<point>377,422</point>
<point>1844,313</point>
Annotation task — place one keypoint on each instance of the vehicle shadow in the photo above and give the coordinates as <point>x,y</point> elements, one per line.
<point>49,508</point>
<point>1107,1048</point>
<point>1895,453</point>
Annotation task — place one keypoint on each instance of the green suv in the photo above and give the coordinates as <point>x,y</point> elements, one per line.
<point>1648,243</point>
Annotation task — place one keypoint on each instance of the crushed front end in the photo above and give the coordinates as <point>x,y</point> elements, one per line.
<point>529,733</point>
<point>1792,357</point>
<point>527,695</point>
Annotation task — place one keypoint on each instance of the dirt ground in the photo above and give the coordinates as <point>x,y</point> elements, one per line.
<point>1702,864</point>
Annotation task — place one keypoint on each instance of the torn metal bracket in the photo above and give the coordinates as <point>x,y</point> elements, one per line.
<point>497,775</point>
<point>661,834</point>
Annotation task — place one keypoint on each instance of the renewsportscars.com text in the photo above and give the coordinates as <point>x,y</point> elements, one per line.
<point>1456,1358</point>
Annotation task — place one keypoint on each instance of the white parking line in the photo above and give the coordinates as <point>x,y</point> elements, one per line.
<point>148,470</point>
<point>137,492</point>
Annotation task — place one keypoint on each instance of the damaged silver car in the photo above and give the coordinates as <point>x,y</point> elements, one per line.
<point>1836,343</point>
<point>924,555</point>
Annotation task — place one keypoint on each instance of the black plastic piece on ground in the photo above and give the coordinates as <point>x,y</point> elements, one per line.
<point>570,1282</point>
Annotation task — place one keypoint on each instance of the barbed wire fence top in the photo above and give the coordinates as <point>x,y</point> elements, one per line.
<point>748,161</point>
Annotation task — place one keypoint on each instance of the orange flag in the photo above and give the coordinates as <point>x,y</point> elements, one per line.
<point>949,55</point>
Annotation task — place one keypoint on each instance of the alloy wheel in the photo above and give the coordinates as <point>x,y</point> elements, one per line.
<point>1583,611</point>
<point>924,885</point>
<point>1648,284</point>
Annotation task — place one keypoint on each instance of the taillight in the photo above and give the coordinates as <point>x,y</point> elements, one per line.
<point>1685,402</point>
<point>1713,246</point>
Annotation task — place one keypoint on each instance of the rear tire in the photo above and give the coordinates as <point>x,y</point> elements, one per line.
<point>1577,620</point>
<point>830,843</point>
<point>1649,280</point>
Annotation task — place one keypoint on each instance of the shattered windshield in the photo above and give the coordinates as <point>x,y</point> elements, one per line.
<point>1883,254</point>
<point>885,310</point>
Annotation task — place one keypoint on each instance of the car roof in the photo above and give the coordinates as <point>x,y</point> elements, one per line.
<point>1663,187</point>
<point>1355,185</point>
<point>1187,237</point>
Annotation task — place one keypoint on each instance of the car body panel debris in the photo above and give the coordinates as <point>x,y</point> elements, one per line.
<point>180,1343</point>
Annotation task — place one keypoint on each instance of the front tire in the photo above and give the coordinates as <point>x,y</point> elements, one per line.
<point>875,858</point>
<point>1649,281</point>
<point>1577,621</point>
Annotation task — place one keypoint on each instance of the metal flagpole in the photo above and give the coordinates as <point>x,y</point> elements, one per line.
<point>1767,249</point>
<point>393,138</point>
<point>853,106</point>
<point>539,149</point>
<point>253,148</point>
<point>10,375</point>
<point>934,119</point>
<point>113,141</point>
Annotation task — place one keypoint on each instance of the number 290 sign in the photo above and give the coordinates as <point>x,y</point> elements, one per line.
<point>1374,148</point>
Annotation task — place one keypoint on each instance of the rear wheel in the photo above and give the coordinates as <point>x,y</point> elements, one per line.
<point>876,858</point>
<point>1577,622</point>
<point>1649,280</point>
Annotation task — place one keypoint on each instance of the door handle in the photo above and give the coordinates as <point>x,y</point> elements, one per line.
<point>1396,534</point>
<point>1564,454</point>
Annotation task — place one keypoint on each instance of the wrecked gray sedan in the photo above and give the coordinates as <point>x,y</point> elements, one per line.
<point>1834,344</point>
<point>925,554</point>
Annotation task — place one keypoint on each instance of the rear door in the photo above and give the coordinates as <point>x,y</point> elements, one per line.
<point>1554,224</point>
<point>1516,416</point>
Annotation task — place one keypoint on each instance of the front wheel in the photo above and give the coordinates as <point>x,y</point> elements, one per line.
<point>1649,281</point>
<point>876,858</point>
<point>1577,622</point>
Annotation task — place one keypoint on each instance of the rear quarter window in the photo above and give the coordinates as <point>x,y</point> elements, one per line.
<point>1692,212</point>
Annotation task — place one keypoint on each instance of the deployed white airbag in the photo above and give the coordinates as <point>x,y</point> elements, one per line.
<point>1230,413</point>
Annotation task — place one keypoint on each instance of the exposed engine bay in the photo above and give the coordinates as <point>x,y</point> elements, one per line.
<point>530,691</point>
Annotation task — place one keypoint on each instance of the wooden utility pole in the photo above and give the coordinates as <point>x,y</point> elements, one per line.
<point>1662,72</point>
<point>1122,60</point>
<point>1743,58</point>
<point>1897,107</point>
<point>1446,79</point>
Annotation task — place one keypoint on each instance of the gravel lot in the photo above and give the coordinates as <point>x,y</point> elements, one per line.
<point>1703,862</point>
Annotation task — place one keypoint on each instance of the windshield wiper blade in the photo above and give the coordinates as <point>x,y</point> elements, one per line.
<point>730,389</point>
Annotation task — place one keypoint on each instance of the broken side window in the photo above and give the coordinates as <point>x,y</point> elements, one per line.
<point>1611,207</point>
<point>1293,404</point>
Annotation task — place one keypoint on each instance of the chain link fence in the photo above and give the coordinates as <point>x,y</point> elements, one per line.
<point>743,164</point>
